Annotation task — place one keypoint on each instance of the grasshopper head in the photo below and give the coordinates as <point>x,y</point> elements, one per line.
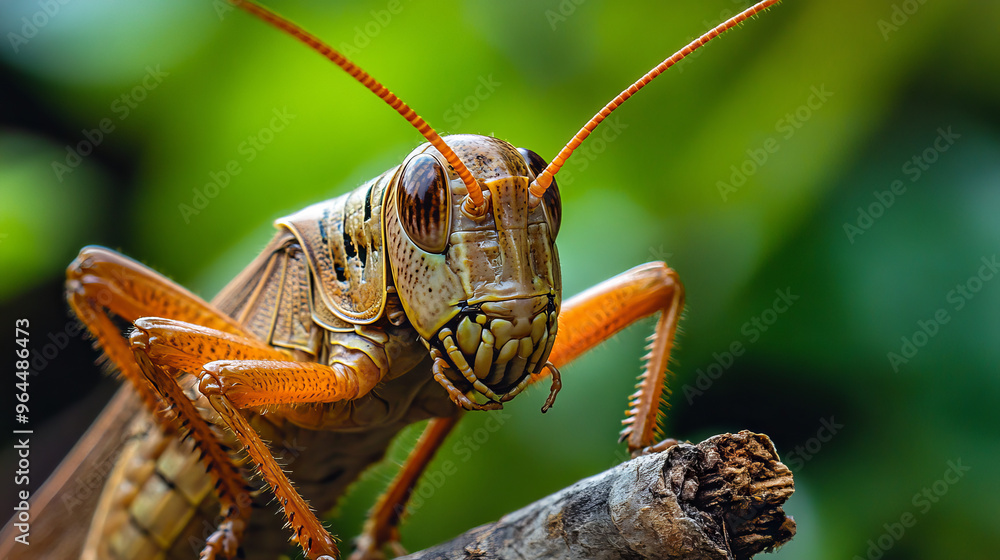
<point>483,291</point>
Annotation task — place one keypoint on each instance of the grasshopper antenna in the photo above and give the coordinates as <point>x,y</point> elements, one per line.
<point>544,179</point>
<point>475,204</point>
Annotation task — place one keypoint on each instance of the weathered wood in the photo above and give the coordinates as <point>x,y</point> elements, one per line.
<point>720,499</point>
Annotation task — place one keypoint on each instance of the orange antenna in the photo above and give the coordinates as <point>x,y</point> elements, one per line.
<point>475,201</point>
<point>544,179</point>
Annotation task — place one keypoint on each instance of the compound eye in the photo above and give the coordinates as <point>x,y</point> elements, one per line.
<point>424,203</point>
<point>551,202</point>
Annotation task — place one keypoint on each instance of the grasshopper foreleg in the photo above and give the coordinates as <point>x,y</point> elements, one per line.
<point>382,526</point>
<point>595,315</point>
<point>585,321</point>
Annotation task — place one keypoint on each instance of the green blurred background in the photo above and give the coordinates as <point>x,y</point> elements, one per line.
<point>839,97</point>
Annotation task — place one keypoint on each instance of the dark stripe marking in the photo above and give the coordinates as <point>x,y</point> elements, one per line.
<point>170,483</point>
<point>142,529</point>
<point>368,202</point>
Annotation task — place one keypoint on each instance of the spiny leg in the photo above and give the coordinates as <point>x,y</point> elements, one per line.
<point>233,495</point>
<point>585,321</point>
<point>100,281</point>
<point>268,379</point>
<point>111,281</point>
<point>237,373</point>
<point>382,526</point>
<point>595,315</point>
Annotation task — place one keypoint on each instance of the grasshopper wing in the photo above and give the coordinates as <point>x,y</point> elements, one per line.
<point>61,510</point>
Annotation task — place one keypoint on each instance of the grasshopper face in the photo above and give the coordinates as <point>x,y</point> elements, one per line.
<point>482,291</point>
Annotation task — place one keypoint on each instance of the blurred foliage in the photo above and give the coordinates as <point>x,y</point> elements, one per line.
<point>837,96</point>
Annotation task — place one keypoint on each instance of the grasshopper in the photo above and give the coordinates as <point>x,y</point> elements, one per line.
<point>431,290</point>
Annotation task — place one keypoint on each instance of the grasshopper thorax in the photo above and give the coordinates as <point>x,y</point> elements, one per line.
<point>483,291</point>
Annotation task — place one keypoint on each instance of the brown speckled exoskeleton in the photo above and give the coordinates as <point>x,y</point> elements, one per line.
<point>432,289</point>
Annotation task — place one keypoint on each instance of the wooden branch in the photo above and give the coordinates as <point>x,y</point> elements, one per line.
<point>718,500</point>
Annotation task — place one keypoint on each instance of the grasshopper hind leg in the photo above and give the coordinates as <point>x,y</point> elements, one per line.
<point>237,373</point>
<point>100,284</point>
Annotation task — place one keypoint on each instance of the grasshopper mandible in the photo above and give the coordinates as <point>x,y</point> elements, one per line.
<point>432,289</point>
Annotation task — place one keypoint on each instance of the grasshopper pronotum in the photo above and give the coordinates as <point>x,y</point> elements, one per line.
<point>433,288</point>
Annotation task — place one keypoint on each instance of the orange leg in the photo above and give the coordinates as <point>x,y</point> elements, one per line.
<point>235,373</point>
<point>595,315</point>
<point>100,281</point>
<point>585,321</point>
<point>382,525</point>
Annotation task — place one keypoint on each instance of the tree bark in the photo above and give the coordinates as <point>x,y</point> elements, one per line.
<point>718,500</point>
